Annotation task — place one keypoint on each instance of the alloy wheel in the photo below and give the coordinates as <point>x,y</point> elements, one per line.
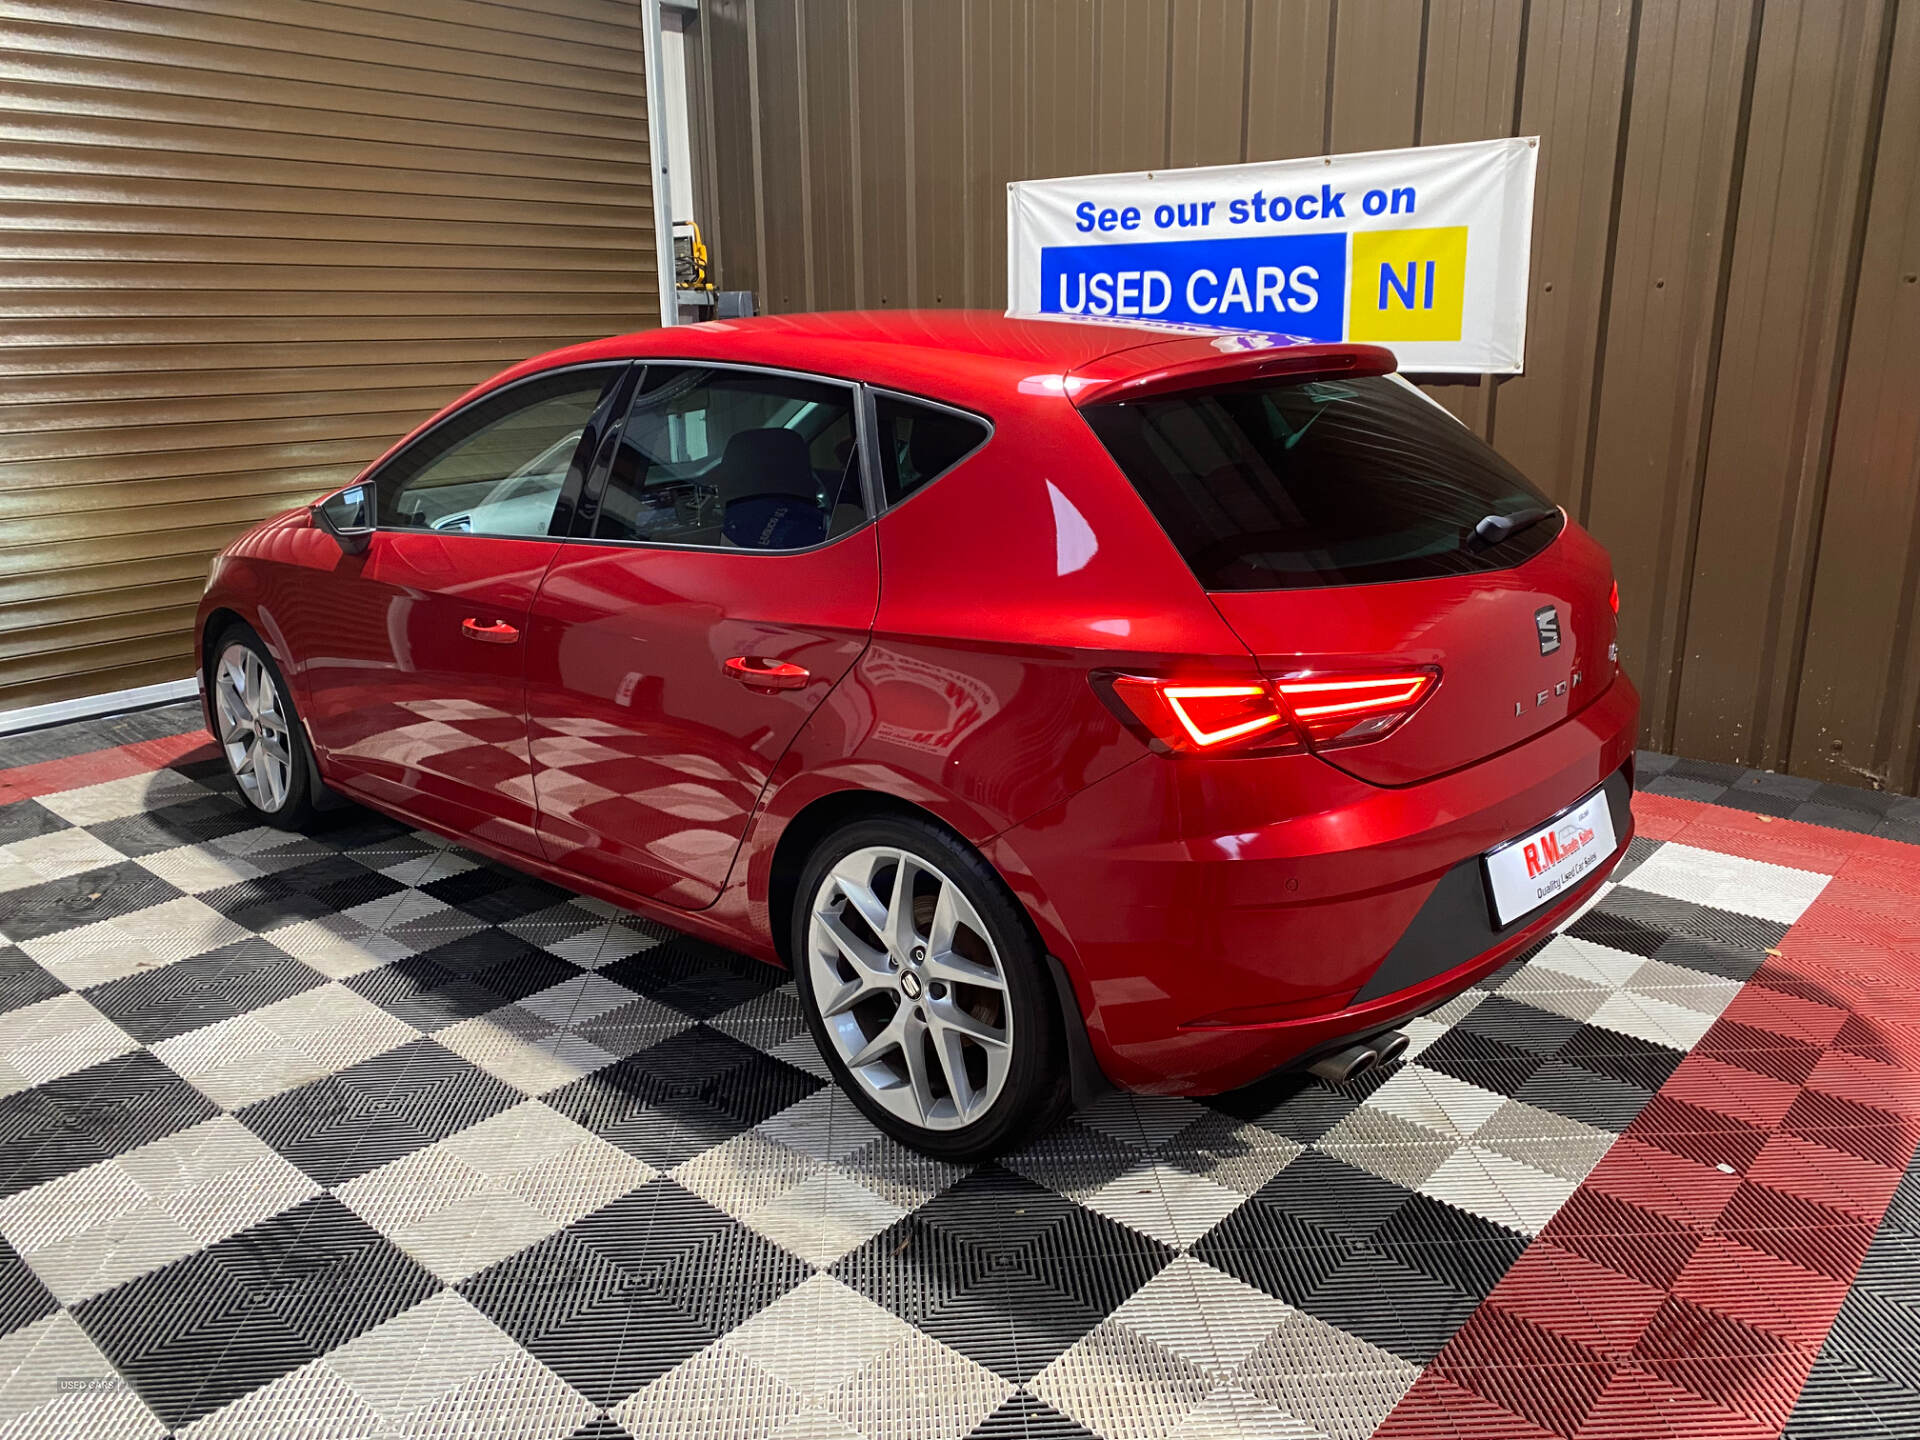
<point>910,987</point>
<point>255,729</point>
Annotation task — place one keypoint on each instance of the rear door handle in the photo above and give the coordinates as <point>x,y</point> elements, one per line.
<point>493,632</point>
<point>758,673</point>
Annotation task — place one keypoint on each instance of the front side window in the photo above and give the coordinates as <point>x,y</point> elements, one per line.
<point>497,467</point>
<point>733,459</point>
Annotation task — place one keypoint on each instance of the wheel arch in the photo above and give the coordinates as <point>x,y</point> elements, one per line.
<point>821,816</point>
<point>212,625</point>
<point>812,823</point>
<point>217,621</point>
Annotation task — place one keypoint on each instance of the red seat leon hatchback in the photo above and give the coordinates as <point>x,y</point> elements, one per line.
<point>1065,703</point>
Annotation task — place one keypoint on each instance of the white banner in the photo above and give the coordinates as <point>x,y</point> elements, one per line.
<point>1424,251</point>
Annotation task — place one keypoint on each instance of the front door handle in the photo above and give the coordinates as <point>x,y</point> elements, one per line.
<point>758,673</point>
<point>493,632</point>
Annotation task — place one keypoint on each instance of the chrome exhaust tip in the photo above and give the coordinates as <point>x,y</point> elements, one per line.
<point>1345,1065</point>
<point>1391,1045</point>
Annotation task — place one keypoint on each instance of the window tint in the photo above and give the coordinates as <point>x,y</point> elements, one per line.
<point>1271,486</point>
<point>733,459</point>
<point>919,442</point>
<point>497,467</point>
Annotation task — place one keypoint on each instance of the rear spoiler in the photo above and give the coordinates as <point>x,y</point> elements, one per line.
<point>1194,363</point>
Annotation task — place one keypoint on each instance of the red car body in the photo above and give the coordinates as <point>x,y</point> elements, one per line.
<point>1215,917</point>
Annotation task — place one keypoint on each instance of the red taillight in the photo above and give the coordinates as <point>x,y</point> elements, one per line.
<point>1352,709</point>
<point>1194,717</point>
<point>1189,716</point>
<point>1613,597</point>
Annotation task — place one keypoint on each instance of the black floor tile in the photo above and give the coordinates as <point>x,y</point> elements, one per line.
<point>1618,932</point>
<point>155,1005</point>
<point>1295,1106</point>
<point>22,982</point>
<point>27,820</point>
<point>1481,1060</point>
<point>1710,957</point>
<point>1023,1417</point>
<point>379,1110</point>
<point>1009,1273</point>
<point>494,894</point>
<point>1517,1024</point>
<point>1584,1095</point>
<point>430,996</point>
<point>1625,1058</point>
<point>616,1300</point>
<point>309,891</point>
<point>243,1312</point>
<point>1461,1250</point>
<point>92,1115</point>
<point>36,911</point>
<point>1392,1305</point>
<point>190,822</point>
<point>670,1101</point>
<point>23,1299</point>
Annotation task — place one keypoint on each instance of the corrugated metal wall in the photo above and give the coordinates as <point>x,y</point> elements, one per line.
<point>1723,351</point>
<point>244,244</point>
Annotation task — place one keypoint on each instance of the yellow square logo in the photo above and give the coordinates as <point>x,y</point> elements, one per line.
<point>1408,284</point>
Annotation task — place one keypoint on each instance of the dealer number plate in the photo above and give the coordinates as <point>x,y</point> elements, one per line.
<point>1525,874</point>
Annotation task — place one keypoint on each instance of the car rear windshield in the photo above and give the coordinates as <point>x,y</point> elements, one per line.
<point>1328,482</point>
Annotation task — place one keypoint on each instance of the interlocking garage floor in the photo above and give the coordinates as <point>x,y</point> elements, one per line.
<point>362,1136</point>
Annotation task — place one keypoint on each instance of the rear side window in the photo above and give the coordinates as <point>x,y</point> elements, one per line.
<point>1329,482</point>
<point>921,442</point>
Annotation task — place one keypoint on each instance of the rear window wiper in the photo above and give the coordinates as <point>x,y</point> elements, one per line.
<point>1492,529</point>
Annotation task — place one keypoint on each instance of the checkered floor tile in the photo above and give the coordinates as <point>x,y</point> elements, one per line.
<point>360,1134</point>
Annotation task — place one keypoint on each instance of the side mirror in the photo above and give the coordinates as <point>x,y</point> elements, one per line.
<point>348,517</point>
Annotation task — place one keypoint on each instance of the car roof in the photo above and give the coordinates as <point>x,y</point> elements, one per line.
<point>971,355</point>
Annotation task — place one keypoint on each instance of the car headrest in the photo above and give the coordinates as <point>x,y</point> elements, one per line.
<point>766,462</point>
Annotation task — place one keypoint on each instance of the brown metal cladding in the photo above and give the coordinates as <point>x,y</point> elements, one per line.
<point>245,246</point>
<point>1723,344</point>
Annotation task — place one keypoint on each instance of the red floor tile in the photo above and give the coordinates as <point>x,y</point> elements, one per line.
<point>1761,1290</point>
<point>1783,1014</point>
<point>1879,1135</point>
<point>1664,817</point>
<point>1731,1090</point>
<point>1531,1370</point>
<point>1438,1409</point>
<point>1683,1191</point>
<point>1811,1170</point>
<point>1637,1242</point>
<point>1702,1350</point>
<point>1861,1067</point>
<point>23,782</point>
<point>1638,1405</point>
<point>1593,1306</point>
<point>1808,1234</point>
<point>1706,1137</point>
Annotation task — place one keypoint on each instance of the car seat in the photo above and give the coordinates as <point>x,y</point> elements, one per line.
<point>771,497</point>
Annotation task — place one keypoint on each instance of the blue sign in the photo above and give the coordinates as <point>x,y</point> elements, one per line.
<point>1291,284</point>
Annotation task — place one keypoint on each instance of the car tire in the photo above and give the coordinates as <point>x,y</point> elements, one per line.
<point>259,732</point>
<point>941,1024</point>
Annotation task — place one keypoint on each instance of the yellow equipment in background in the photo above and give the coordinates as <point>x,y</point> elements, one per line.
<point>690,259</point>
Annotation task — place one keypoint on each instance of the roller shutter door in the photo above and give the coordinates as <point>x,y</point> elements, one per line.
<point>244,245</point>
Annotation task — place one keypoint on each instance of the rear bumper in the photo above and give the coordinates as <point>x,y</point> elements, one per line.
<point>1210,944</point>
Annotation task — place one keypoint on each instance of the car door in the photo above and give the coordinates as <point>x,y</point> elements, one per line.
<point>412,653</point>
<point>722,579</point>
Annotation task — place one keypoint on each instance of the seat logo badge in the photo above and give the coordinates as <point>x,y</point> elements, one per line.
<point>1546,620</point>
